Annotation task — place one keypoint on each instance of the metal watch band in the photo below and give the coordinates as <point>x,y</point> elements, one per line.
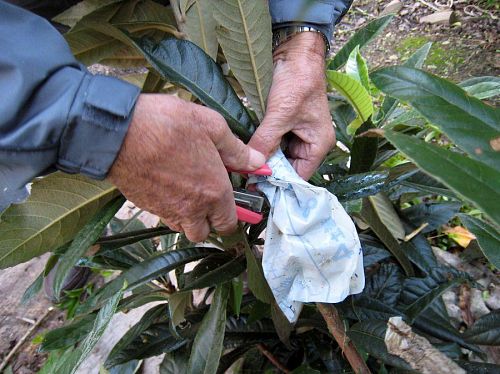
<point>284,34</point>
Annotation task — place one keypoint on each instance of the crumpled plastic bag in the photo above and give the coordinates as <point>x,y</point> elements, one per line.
<point>312,251</point>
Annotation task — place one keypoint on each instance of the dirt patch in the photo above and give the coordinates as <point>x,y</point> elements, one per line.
<point>464,49</point>
<point>17,319</point>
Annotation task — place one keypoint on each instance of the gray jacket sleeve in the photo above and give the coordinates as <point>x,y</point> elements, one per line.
<point>323,14</point>
<point>53,112</point>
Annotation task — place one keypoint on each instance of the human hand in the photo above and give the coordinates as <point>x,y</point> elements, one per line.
<point>172,164</point>
<point>297,103</point>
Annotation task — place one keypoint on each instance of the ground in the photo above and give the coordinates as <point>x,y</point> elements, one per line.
<point>467,48</point>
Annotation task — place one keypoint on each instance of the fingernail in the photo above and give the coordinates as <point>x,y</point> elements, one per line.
<point>256,159</point>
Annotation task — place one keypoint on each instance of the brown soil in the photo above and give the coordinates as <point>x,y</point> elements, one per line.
<point>465,49</point>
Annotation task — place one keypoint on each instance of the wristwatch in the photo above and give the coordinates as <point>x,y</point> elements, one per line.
<point>283,34</point>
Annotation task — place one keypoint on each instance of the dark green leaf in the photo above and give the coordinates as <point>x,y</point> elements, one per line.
<point>434,214</point>
<point>370,215</point>
<point>227,360</point>
<point>416,60</point>
<point>364,150</point>
<point>184,63</point>
<point>487,237</point>
<point>479,367</point>
<point>419,251</point>
<point>153,341</point>
<point>67,336</point>
<point>213,270</point>
<point>70,360</point>
<point>155,266</point>
<point>482,87</point>
<point>448,107</point>
<point>208,343</point>
<point>425,183</point>
<point>283,327</point>
<point>369,335</point>
<point>362,307</point>
<point>143,297</point>
<point>419,293</point>
<point>175,362</point>
<point>358,185</point>
<point>473,180</point>
<point>236,294</point>
<point>116,356</point>
<point>486,330</point>
<point>256,281</point>
<point>343,114</point>
<point>360,38</point>
<point>33,289</point>
<point>373,251</point>
<point>130,367</point>
<point>385,285</point>
<point>82,242</point>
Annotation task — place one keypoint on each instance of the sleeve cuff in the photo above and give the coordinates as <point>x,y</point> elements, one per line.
<point>322,15</point>
<point>97,124</point>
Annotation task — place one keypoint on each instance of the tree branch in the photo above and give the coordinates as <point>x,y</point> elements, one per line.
<point>336,328</point>
<point>262,348</point>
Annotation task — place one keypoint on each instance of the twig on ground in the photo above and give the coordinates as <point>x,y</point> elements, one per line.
<point>262,348</point>
<point>336,328</point>
<point>23,339</point>
<point>432,6</point>
<point>411,235</point>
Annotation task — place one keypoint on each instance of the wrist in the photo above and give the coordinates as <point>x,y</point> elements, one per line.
<point>309,44</point>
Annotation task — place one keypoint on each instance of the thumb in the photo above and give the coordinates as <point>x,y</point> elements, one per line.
<point>234,153</point>
<point>267,137</point>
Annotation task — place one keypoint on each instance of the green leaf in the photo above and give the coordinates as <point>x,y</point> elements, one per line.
<point>207,345</point>
<point>416,60</point>
<point>182,62</point>
<point>82,242</point>
<point>385,285</point>
<point>363,307</point>
<point>213,270</point>
<point>355,93</point>
<point>236,294</point>
<point>71,360</point>
<point>479,367</point>
<point>175,362</point>
<point>486,330</point>
<point>372,216</point>
<point>72,15</point>
<point>356,186</point>
<point>364,150</point>
<point>68,335</point>
<point>200,27</point>
<point>434,214</point>
<point>387,215</point>
<point>117,356</point>
<point>482,87</point>
<point>177,304</point>
<point>356,68</point>
<point>469,123</point>
<point>153,341</point>
<point>92,40</point>
<point>361,38</point>
<point>369,335</point>
<point>244,33</point>
<point>256,280</point>
<point>373,250</point>
<point>476,182</point>
<point>33,289</point>
<point>487,237</point>
<point>421,293</point>
<point>157,265</point>
<point>59,206</point>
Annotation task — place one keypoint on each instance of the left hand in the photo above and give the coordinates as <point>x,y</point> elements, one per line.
<point>297,103</point>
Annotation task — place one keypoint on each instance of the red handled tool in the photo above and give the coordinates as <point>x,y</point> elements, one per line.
<point>249,204</point>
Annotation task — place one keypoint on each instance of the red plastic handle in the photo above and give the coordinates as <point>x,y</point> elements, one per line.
<point>263,170</point>
<point>248,216</point>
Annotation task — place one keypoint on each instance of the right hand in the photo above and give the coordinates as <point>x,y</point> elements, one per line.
<point>172,164</point>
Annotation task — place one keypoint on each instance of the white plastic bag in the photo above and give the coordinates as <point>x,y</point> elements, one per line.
<point>312,251</point>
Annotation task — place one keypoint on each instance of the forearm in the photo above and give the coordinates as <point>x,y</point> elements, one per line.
<point>54,113</point>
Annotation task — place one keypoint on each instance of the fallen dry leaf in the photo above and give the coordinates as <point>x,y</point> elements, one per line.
<point>460,235</point>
